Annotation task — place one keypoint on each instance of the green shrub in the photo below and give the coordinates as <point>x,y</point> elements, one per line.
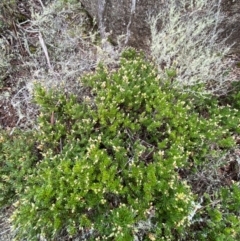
<point>111,158</point>
<point>18,157</point>
<point>218,216</point>
<point>233,97</point>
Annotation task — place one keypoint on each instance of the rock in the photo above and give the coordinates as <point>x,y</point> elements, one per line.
<point>123,18</point>
<point>231,26</point>
<point>128,19</point>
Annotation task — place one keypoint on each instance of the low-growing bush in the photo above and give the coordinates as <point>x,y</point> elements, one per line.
<point>185,37</point>
<point>18,156</point>
<point>111,159</point>
<point>217,217</point>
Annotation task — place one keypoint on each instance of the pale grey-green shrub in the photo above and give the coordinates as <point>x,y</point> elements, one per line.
<point>185,38</point>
